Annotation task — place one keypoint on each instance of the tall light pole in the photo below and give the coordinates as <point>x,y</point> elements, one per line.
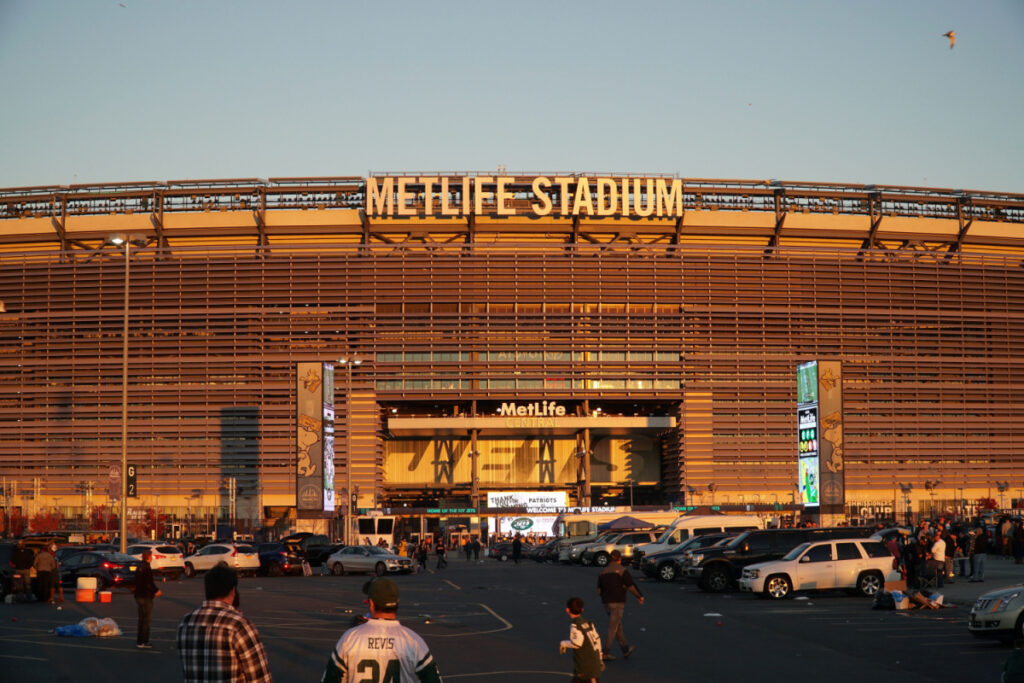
<point>125,241</point>
<point>348,363</point>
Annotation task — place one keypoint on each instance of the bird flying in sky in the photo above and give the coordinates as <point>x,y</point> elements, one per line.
<point>952,38</point>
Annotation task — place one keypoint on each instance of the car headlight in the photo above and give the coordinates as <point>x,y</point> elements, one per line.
<point>753,573</point>
<point>1003,603</point>
<point>696,559</point>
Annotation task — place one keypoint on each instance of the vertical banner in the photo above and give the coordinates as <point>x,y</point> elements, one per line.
<point>328,437</point>
<point>808,475</point>
<point>830,410</point>
<point>309,474</point>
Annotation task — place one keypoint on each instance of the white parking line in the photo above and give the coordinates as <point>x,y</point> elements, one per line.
<point>481,674</point>
<point>452,585</point>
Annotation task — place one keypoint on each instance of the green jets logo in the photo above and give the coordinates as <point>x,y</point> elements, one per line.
<point>522,524</point>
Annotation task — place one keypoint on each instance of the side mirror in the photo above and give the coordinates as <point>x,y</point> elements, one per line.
<point>746,548</point>
<point>805,558</point>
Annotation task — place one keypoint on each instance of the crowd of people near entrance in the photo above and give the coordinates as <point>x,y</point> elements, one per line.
<point>939,551</point>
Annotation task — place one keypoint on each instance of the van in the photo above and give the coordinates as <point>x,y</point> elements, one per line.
<point>695,525</point>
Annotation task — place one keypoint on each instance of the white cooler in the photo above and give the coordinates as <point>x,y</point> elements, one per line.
<point>88,582</point>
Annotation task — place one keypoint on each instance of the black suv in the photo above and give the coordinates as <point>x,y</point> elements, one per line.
<point>717,568</point>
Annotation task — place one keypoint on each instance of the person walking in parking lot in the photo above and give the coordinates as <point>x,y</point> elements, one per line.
<point>584,643</point>
<point>145,590</point>
<point>612,584</point>
<point>442,554</point>
<point>216,642</point>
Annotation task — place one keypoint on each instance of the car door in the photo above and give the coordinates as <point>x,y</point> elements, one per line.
<point>850,562</point>
<point>70,568</point>
<point>816,568</point>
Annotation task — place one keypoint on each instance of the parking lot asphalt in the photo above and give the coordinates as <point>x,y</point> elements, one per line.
<point>498,621</point>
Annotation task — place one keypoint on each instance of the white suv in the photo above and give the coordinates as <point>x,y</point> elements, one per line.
<point>167,559</point>
<point>856,564</point>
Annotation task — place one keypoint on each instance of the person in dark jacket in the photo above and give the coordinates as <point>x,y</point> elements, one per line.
<point>517,548</point>
<point>21,561</point>
<point>977,550</point>
<point>145,591</point>
<point>612,584</point>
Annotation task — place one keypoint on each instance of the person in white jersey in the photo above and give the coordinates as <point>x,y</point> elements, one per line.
<point>381,650</point>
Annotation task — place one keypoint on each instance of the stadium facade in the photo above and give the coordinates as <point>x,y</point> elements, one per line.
<point>616,339</point>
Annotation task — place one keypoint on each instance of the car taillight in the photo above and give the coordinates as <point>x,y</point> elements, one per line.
<point>111,565</point>
<point>158,557</point>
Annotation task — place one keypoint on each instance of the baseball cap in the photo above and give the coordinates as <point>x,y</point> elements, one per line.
<point>383,592</point>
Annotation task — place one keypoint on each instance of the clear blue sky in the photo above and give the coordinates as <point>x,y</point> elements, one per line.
<point>863,91</point>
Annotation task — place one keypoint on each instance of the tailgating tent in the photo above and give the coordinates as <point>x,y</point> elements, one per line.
<point>625,524</point>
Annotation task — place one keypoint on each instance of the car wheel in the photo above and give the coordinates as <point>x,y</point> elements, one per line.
<point>778,587</point>
<point>275,569</point>
<point>869,583</point>
<point>714,580</point>
<point>667,572</point>
<point>190,571</point>
<point>601,559</point>
<point>380,569</point>
<point>1018,630</point>
<point>585,561</point>
<point>337,569</point>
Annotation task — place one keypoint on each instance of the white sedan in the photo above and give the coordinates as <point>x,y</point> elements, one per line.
<point>367,558</point>
<point>856,564</point>
<point>243,558</point>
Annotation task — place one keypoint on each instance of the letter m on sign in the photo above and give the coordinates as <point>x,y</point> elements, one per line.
<point>379,197</point>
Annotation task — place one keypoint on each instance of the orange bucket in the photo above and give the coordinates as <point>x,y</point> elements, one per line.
<point>85,595</point>
<point>106,596</point>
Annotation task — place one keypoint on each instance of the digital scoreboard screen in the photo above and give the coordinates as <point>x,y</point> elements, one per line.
<point>807,383</point>
<point>807,426</point>
<point>808,469</point>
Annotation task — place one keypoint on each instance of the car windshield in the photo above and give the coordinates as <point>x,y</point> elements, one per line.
<point>723,541</point>
<point>375,550</point>
<point>795,552</point>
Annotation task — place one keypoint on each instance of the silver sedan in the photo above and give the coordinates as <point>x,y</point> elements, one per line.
<point>367,558</point>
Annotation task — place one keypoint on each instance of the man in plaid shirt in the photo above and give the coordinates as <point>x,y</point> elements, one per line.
<point>216,642</point>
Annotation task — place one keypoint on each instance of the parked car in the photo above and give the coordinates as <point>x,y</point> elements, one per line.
<point>110,569</point>
<point>719,567</point>
<point>545,552</point>
<point>998,614</point>
<point>503,550</point>
<point>316,555</point>
<point>367,558</point>
<point>689,526</point>
<point>67,551</point>
<point>599,553</point>
<point>244,558</point>
<point>664,565</point>
<point>277,559</point>
<point>859,565</point>
<point>167,559</point>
